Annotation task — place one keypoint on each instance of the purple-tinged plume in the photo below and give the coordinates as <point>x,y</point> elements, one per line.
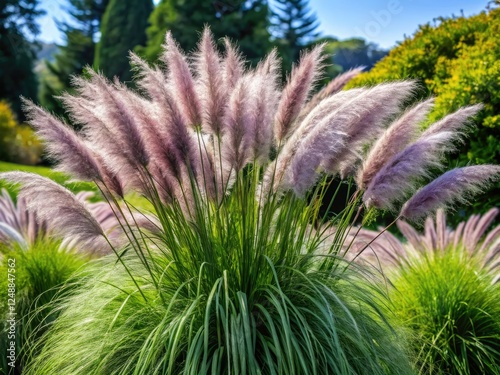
<point>396,137</point>
<point>343,130</point>
<point>266,94</point>
<point>211,89</point>
<point>233,65</point>
<point>453,186</point>
<point>333,87</point>
<point>376,106</point>
<point>403,171</point>
<point>239,125</point>
<point>60,209</point>
<point>181,81</point>
<point>473,236</point>
<point>295,93</point>
<point>17,224</point>
<point>454,122</point>
<point>63,144</point>
<point>270,65</point>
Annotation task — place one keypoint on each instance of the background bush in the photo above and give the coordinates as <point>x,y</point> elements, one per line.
<point>17,142</point>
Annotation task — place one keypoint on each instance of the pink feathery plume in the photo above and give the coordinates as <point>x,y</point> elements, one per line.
<point>270,65</point>
<point>211,89</point>
<point>104,131</point>
<point>303,170</point>
<point>238,123</point>
<point>233,65</point>
<point>454,122</point>
<point>374,248</point>
<point>171,141</point>
<point>326,140</point>
<point>121,118</point>
<point>482,225</point>
<point>442,232</point>
<point>410,234</point>
<point>491,249</point>
<point>17,224</point>
<point>265,93</point>
<point>457,234</point>
<point>63,144</point>
<point>295,93</point>
<point>453,186</point>
<point>60,209</point>
<point>337,84</point>
<point>377,105</point>
<point>181,81</point>
<point>396,137</point>
<point>492,236</point>
<point>469,228</point>
<point>400,174</point>
<point>333,87</point>
<point>430,236</point>
<point>326,111</point>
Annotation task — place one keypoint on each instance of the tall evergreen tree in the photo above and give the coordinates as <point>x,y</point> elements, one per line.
<point>78,51</point>
<point>123,27</point>
<point>294,27</point>
<point>245,21</point>
<point>17,54</point>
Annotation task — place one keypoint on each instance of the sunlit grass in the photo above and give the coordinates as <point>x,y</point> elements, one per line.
<point>453,309</point>
<point>40,271</point>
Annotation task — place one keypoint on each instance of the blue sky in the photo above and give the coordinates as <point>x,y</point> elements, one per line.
<point>384,22</point>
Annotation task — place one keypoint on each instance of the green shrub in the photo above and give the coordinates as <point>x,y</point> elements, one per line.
<point>40,271</point>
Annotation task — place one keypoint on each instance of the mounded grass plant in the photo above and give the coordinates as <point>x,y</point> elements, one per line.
<point>454,311</point>
<point>41,270</point>
<point>233,269</point>
<point>446,291</point>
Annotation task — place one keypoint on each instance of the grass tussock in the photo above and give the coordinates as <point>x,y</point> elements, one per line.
<point>453,308</point>
<point>40,272</point>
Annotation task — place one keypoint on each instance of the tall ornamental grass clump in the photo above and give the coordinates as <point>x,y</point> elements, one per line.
<point>446,291</point>
<point>233,270</point>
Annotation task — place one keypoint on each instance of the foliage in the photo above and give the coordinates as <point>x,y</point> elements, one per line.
<point>294,27</point>
<point>458,61</point>
<point>243,21</point>
<point>116,40</point>
<point>40,271</point>
<point>17,142</point>
<point>17,54</point>
<point>348,54</point>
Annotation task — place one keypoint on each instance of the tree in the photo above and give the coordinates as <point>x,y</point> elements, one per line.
<point>78,51</point>
<point>245,21</point>
<point>348,54</point>
<point>458,61</point>
<point>294,27</point>
<point>123,27</point>
<point>17,53</point>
